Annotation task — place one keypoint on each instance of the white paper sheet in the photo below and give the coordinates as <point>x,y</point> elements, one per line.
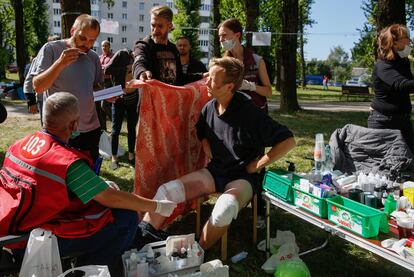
<point>107,93</point>
<point>261,38</point>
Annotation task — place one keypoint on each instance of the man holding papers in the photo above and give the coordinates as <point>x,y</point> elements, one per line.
<point>70,65</point>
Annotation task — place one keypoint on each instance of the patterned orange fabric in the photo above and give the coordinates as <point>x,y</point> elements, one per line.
<point>166,145</point>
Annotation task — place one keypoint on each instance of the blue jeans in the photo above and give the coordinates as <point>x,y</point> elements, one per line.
<point>119,108</point>
<point>106,246</point>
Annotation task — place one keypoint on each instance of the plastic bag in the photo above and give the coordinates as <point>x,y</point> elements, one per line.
<point>283,248</point>
<point>88,271</point>
<point>41,258</point>
<point>105,149</point>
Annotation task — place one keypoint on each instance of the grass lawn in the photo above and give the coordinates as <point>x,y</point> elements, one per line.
<point>339,258</point>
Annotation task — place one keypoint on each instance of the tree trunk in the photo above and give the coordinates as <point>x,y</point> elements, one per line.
<point>389,12</point>
<point>71,9</point>
<point>302,52</point>
<point>278,53</point>
<point>252,13</point>
<point>216,22</point>
<point>288,96</point>
<point>20,52</point>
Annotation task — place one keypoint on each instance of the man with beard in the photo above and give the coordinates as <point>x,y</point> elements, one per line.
<point>155,56</point>
<point>70,65</point>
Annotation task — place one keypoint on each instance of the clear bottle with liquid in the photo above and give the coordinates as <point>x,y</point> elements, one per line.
<point>319,152</point>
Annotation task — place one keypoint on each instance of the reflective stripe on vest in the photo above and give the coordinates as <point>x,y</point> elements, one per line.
<point>35,170</point>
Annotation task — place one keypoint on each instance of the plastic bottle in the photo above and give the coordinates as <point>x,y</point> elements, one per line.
<point>133,261</point>
<point>150,254</point>
<point>319,152</point>
<point>142,268</point>
<point>328,167</point>
<point>390,204</point>
<point>238,257</point>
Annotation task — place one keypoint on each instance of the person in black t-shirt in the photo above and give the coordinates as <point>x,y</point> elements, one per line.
<point>392,83</point>
<point>234,134</point>
<point>193,69</point>
<point>155,56</point>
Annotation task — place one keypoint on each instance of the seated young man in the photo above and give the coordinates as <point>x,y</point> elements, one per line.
<point>234,134</point>
<point>66,196</point>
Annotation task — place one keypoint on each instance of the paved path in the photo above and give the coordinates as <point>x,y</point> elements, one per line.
<point>20,109</point>
<point>329,106</point>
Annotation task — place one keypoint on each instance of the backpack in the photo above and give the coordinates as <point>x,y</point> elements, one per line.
<point>17,193</point>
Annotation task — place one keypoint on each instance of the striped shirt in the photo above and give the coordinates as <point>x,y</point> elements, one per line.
<point>84,182</point>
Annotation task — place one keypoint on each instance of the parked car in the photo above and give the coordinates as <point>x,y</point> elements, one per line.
<point>356,81</point>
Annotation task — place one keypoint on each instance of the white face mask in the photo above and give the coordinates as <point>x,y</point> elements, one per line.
<point>405,52</point>
<point>228,44</point>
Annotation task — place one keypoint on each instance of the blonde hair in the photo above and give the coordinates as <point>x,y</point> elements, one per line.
<point>86,21</point>
<point>234,70</point>
<point>162,11</point>
<point>387,39</point>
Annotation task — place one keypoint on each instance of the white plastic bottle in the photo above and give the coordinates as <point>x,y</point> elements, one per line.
<point>142,268</point>
<point>132,268</point>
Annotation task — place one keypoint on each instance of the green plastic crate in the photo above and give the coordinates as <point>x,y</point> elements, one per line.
<point>311,203</point>
<point>276,182</point>
<point>354,216</point>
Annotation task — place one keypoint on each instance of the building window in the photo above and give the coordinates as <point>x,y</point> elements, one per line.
<point>202,43</point>
<point>140,29</point>
<point>56,23</point>
<point>123,28</point>
<point>93,2</point>
<point>204,19</point>
<point>110,16</point>
<point>110,39</point>
<point>56,11</point>
<point>124,4</point>
<point>124,40</point>
<point>141,17</point>
<point>141,6</point>
<point>170,5</point>
<point>155,4</point>
<point>96,13</point>
<point>124,16</point>
<point>56,1</point>
<point>203,32</point>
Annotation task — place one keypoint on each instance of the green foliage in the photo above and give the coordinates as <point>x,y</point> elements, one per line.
<point>36,25</point>
<point>233,9</point>
<point>7,34</point>
<point>186,22</point>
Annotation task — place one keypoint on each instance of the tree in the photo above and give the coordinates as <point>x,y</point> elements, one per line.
<point>389,12</point>
<point>71,9</point>
<point>18,23</point>
<point>288,96</point>
<point>363,51</point>
<point>216,22</point>
<point>36,25</point>
<point>304,20</point>
<point>7,34</point>
<point>187,20</point>
<point>338,61</point>
<point>252,14</point>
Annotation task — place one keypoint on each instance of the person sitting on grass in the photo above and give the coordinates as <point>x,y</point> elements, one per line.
<point>86,213</point>
<point>234,133</point>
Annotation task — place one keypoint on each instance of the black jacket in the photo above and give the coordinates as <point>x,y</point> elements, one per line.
<point>162,60</point>
<point>117,66</point>
<point>392,83</point>
<point>195,70</point>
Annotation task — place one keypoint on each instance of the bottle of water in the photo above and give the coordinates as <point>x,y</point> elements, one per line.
<point>319,152</point>
<point>328,167</point>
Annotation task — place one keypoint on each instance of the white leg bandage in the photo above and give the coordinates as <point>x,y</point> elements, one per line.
<point>173,191</point>
<point>225,210</point>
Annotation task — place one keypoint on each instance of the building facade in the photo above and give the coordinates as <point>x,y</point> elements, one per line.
<point>134,22</point>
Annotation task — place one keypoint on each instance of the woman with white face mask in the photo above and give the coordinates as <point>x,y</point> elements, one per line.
<point>256,81</point>
<point>392,83</point>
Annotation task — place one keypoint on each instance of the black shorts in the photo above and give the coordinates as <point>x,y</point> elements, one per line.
<point>221,181</point>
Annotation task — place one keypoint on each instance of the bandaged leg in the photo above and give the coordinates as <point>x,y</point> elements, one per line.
<point>173,191</point>
<point>225,210</point>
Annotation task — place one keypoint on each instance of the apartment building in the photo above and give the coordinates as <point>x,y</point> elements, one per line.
<point>134,22</point>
